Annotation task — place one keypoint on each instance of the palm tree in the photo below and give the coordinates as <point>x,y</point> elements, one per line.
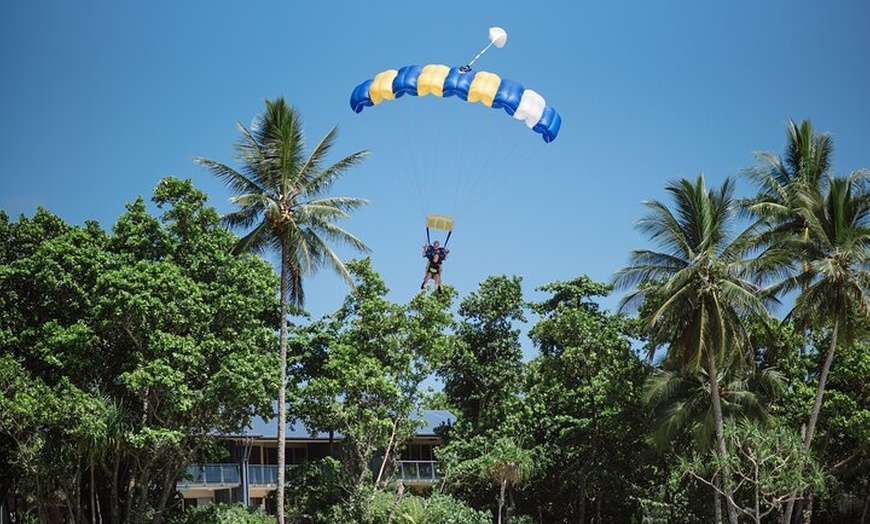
<point>789,189</point>
<point>829,265</point>
<point>696,287</point>
<point>280,195</point>
<point>802,168</point>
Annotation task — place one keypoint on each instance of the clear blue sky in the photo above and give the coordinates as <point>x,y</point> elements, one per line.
<point>101,99</point>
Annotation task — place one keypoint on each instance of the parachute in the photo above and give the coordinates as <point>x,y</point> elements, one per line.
<point>440,222</point>
<point>470,86</point>
<point>442,81</point>
<point>444,223</point>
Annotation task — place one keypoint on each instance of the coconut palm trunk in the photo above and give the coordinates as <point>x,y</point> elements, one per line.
<point>719,423</point>
<point>282,387</point>
<point>817,408</point>
<point>820,391</point>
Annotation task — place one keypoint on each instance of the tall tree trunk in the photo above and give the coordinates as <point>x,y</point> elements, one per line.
<point>282,385</point>
<point>115,503</point>
<point>130,494</point>
<point>501,499</point>
<point>388,451</point>
<point>808,511</point>
<point>40,501</point>
<point>798,509</point>
<point>581,500</point>
<point>76,511</point>
<point>820,392</point>
<point>112,478</point>
<point>865,513</point>
<point>720,435</point>
<point>135,515</point>
<point>817,405</point>
<point>167,486</point>
<point>95,503</point>
<point>717,501</point>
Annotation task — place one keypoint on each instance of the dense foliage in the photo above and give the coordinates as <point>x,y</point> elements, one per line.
<point>223,514</point>
<point>122,352</point>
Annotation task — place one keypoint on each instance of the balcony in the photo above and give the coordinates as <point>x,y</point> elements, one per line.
<point>228,476</point>
<point>417,471</point>
<point>260,475</point>
<point>211,475</point>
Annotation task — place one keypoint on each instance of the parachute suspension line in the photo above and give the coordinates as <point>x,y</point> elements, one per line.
<point>467,67</point>
<point>419,154</point>
<point>486,149</point>
<point>429,240</point>
<point>465,168</point>
<point>470,184</point>
<point>497,37</point>
<point>501,161</point>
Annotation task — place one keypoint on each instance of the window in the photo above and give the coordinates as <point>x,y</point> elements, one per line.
<point>418,452</point>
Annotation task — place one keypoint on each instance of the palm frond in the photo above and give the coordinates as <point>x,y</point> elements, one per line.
<point>234,181</point>
<point>255,241</point>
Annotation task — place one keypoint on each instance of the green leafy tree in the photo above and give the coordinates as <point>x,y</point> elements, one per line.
<point>700,294</point>
<point>582,409</point>
<point>360,370</point>
<point>484,374</point>
<point>483,379</point>
<point>834,267</point>
<point>680,401</point>
<point>683,427</point>
<point>223,514</point>
<point>780,180</point>
<point>280,195</point>
<point>843,438</point>
<point>130,350</point>
<point>438,508</point>
<point>313,487</point>
<point>508,464</point>
<point>768,464</point>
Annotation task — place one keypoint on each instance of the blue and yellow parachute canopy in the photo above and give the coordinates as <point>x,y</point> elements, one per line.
<point>442,81</point>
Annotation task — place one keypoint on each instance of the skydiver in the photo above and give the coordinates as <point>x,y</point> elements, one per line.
<point>433,272</point>
<point>435,255</point>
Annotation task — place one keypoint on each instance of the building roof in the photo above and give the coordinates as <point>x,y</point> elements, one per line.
<point>431,420</point>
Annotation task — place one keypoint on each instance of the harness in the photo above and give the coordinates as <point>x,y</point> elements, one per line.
<point>430,252</point>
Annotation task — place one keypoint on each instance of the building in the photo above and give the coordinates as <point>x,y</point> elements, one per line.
<point>250,471</point>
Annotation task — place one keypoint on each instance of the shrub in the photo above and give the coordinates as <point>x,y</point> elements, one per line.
<point>223,514</point>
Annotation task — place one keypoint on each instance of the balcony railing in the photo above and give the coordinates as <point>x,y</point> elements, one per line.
<point>417,471</point>
<point>228,475</point>
<point>211,475</point>
<point>262,475</point>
